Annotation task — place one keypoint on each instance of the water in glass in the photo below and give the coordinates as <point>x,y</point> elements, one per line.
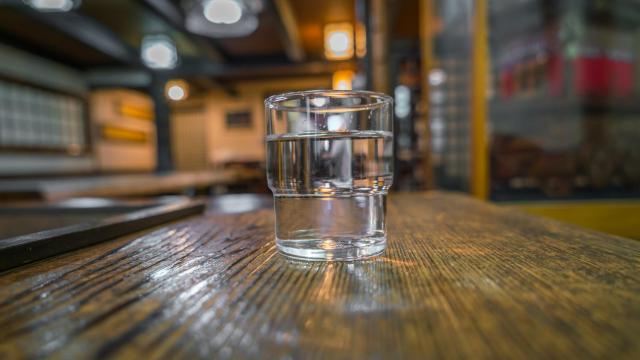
<point>330,192</point>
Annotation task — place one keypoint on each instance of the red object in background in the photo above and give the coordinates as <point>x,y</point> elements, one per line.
<point>622,76</point>
<point>507,82</point>
<point>555,75</point>
<point>603,76</point>
<point>592,76</point>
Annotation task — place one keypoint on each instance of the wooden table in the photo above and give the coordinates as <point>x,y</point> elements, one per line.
<point>460,279</point>
<point>55,189</point>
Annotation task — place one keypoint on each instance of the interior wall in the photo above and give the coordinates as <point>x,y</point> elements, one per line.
<point>225,144</point>
<point>130,144</point>
<point>189,136</point>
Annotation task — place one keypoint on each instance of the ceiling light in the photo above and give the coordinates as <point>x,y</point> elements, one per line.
<point>52,5</point>
<point>176,93</point>
<point>342,85</point>
<point>343,80</point>
<point>159,52</point>
<point>177,90</point>
<point>222,18</point>
<point>222,11</point>
<point>338,41</point>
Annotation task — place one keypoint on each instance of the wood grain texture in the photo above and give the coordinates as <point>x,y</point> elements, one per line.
<point>460,279</point>
<point>56,189</point>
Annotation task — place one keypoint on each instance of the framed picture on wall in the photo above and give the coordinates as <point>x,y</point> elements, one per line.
<point>239,119</point>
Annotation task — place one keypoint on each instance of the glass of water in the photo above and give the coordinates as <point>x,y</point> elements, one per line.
<point>329,166</point>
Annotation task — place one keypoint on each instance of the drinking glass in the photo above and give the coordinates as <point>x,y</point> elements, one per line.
<point>329,166</point>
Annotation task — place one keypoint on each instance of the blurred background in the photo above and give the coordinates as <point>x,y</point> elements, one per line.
<point>531,104</point>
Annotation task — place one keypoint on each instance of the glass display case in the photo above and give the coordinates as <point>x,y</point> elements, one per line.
<point>564,104</point>
<point>561,86</point>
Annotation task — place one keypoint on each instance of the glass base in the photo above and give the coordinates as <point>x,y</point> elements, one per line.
<point>332,249</point>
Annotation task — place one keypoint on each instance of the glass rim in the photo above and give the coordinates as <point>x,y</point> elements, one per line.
<point>275,101</point>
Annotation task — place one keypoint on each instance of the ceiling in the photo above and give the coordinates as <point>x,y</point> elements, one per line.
<point>313,15</point>
<point>105,35</point>
<point>263,42</point>
<point>19,30</point>
<point>125,22</point>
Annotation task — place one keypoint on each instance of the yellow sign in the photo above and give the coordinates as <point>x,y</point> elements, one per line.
<point>122,134</point>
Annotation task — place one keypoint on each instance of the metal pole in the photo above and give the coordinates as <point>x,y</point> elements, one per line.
<point>164,158</point>
<point>426,54</point>
<point>479,151</point>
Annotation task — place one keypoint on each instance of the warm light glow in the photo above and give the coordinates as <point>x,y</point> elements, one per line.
<point>361,40</point>
<point>177,90</point>
<point>338,41</point>
<point>437,77</point>
<point>222,11</point>
<point>175,93</point>
<point>51,5</point>
<point>343,85</point>
<point>343,80</point>
<point>159,52</point>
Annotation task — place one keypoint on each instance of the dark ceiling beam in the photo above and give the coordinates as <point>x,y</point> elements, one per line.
<point>288,29</point>
<point>220,75</point>
<point>208,83</point>
<point>142,79</point>
<point>363,16</point>
<point>167,10</point>
<point>88,31</point>
<point>227,87</point>
<point>238,72</point>
<point>118,77</point>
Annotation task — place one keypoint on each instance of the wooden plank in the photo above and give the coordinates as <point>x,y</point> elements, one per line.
<point>460,279</point>
<point>288,29</point>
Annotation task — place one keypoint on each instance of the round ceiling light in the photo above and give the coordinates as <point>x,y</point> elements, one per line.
<point>339,42</point>
<point>159,52</point>
<point>177,90</point>
<point>175,93</point>
<point>222,18</point>
<point>222,11</point>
